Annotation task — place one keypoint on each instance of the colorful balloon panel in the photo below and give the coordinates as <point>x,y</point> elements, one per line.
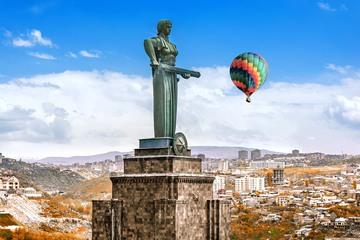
<point>248,72</point>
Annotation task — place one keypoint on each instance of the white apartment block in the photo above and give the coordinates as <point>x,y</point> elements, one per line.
<point>249,184</point>
<point>219,183</point>
<point>223,165</point>
<point>9,183</point>
<point>266,164</point>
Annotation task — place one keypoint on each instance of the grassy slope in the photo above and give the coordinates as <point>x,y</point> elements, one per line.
<point>92,189</point>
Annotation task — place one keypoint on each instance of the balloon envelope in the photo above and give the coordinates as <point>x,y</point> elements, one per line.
<point>248,72</point>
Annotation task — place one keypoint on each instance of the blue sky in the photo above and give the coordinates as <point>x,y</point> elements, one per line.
<point>75,80</point>
<point>298,38</point>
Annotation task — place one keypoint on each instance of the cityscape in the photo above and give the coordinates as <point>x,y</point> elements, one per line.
<point>275,196</point>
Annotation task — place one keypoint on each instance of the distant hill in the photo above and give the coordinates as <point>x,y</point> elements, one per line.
<point>81,159</point>
<point>223,152</point>
<point>209,151</point>
<point>40,176</point>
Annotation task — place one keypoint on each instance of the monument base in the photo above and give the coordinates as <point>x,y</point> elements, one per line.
<point>160,142</point>
<point>162,164</point>
<point>161,196</point>
<point>156,147</point>
<point>161,207</point>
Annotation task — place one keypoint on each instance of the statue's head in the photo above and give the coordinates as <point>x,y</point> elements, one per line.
<point>164,27</point>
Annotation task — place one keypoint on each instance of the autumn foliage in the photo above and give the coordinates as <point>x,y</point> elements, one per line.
<point>28,234</point>
<point>7,220</point>
<point>248,225</point>
<point>62,206</point>
<point>346,211</point>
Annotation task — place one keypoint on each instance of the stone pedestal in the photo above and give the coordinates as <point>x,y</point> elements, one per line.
<point>161,197</point>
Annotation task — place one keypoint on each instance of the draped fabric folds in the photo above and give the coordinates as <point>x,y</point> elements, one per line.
<point>165,103</point>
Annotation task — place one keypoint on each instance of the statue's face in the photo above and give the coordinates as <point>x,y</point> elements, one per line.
<point>167,29</point>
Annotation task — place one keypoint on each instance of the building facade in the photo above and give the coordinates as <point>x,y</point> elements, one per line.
<point>219,184</point>
<point>255,154</point>
<point>223,165</point>
<point>278,176</point>
<point>243,155</point>
<point>249,184</point>
<point>266,164</point>
<point>9,182</point>
<point>295,152</point>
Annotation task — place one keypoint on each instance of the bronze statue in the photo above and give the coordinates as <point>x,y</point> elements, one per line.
<point>162,54</point>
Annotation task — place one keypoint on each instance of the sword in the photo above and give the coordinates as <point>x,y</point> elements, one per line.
<point>179,71</point>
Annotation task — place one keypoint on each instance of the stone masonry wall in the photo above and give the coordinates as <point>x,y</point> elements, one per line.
<point>218,219</point>
<point>162,206</point>
<point>162,164</point>
<point>106,221</point>
<point>101,221</point>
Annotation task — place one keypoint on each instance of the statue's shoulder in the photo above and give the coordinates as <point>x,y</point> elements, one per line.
<point>157,41</point>
<point>154,41</point>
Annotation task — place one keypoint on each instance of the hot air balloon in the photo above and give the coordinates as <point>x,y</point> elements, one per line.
<point>248,72</point>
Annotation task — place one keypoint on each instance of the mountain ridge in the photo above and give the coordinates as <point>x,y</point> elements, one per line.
<point>226,152</point>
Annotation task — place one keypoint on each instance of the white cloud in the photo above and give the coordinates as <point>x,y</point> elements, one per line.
<point>71,55</point>
<point>95,104</point>
<point>43,56</point>
<point>90,54</point>
<point>94,112</point>
<point>326,7</point>
<point>338,69</point>
<point>346,110</point>
<point>20,124</point>
<point>19,42</point>
<point>37,38</point>
<point>34,38</point>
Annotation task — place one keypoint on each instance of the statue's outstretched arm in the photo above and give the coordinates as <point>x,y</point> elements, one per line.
<point>150,51</point>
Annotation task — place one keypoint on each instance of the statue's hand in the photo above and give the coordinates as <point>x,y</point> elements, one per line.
<point>186,75</point>
<point>154,63</point>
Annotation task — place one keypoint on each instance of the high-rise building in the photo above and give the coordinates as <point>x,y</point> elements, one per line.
<point>219,184</point>
<point>118,166</point>
<point>278,176</point>
<point>255,154</point>
<point>249,184</point>
<point>295,152</point>
<point>223,165</point>
<point>118,158</point>
<point>201,156</point>
<point>243,155</point>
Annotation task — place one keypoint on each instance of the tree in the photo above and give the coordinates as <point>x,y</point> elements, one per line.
<point>354,184</point>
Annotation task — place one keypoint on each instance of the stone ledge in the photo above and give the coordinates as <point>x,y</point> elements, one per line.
<point>161,156</point>
<point>154,151</point>
<point>162,164</point>
<point>157,151</point>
